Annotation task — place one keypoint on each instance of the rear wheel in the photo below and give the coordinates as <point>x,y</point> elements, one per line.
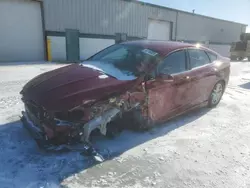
<point>114,128</point>
<point>216,94</point>
<point>248,58</point>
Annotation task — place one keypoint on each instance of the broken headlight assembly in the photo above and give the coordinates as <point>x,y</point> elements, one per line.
<point>68,118</point>
<point>72,116</point>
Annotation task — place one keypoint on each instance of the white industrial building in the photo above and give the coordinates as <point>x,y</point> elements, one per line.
<point>66,30</point>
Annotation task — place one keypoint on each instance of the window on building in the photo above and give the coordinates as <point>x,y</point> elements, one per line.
<point>198,58</point>
<point>174,63</point>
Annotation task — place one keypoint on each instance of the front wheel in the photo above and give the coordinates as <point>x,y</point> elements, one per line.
<point>136,121</point>
<point>216,94</point>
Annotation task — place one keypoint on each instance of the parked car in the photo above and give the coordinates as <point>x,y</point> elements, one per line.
<point>146,82</point>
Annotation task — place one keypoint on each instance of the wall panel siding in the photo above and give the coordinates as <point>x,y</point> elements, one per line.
<point>162,15</point>
<point>105,17</point>
<point>199,28</point>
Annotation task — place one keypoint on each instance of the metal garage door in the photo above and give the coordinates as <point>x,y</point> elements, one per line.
<point>21,31</point>
<point>90,46</point>
<point>159,30</point>
<point>221,49</point>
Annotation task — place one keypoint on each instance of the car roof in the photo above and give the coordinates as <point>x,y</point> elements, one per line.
<point>163,47</point>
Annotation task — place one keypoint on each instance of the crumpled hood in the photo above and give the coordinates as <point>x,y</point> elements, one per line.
<point>67,87</point>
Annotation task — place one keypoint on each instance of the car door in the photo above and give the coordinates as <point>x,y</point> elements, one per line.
<point>203,75</point>
<point>168,92</point>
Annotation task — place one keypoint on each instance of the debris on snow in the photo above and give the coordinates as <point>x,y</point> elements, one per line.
<point>26,166</point>
<point>161,158</point>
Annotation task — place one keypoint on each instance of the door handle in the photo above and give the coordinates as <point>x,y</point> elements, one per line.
<point>191,79</point>
<point>211,73</point>
<point>183,80</point>
<point>186,78</point>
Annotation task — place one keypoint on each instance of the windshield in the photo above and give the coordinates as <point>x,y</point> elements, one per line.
<point>128,59</point>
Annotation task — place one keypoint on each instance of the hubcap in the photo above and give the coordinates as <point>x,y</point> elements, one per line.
<point>217,93</point>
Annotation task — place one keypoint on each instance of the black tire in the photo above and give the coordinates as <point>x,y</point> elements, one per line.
<point>141,123</point>
<point>218,86</point>
<point>134,120</point>
<point>114,129</point>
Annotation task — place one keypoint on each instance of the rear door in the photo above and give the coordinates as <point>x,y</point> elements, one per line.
<point>169,97</point>
<point>203,75</point>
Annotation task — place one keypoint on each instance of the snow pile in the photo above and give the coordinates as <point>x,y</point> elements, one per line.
<point>206,148</point>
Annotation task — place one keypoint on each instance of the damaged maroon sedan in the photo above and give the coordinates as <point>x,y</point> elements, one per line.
<point>142,82</point>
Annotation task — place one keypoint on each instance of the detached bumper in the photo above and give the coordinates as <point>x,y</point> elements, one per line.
<point>33,129</point>
<point>38,135</point>
<point>41,134</point>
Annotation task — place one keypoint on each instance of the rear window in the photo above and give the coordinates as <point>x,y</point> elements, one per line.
<point>212,56</point>
<point>198,58</point>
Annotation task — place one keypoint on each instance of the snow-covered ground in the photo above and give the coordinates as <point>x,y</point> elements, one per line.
<point>206,148</point>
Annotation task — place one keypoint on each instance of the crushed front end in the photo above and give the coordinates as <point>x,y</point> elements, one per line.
<point>52,130</point>
<point>72,131</point>
<point>66,127</point>
<point>65,106</point>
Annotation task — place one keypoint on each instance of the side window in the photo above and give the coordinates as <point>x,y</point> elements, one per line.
<point>198,58</point>
<point>212,56</point>
<point>174,63</point>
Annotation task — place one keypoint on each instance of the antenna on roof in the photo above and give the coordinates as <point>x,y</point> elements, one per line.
<point>193,11</point>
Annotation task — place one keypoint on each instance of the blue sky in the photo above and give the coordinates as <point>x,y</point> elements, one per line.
<point>233,10</point>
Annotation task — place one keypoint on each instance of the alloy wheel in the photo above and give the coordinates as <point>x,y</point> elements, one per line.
<point>217,93</point>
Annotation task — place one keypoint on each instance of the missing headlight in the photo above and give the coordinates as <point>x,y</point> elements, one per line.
<point>73,116</point>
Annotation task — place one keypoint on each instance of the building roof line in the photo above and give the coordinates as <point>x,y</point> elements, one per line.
<point>177,10</point>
